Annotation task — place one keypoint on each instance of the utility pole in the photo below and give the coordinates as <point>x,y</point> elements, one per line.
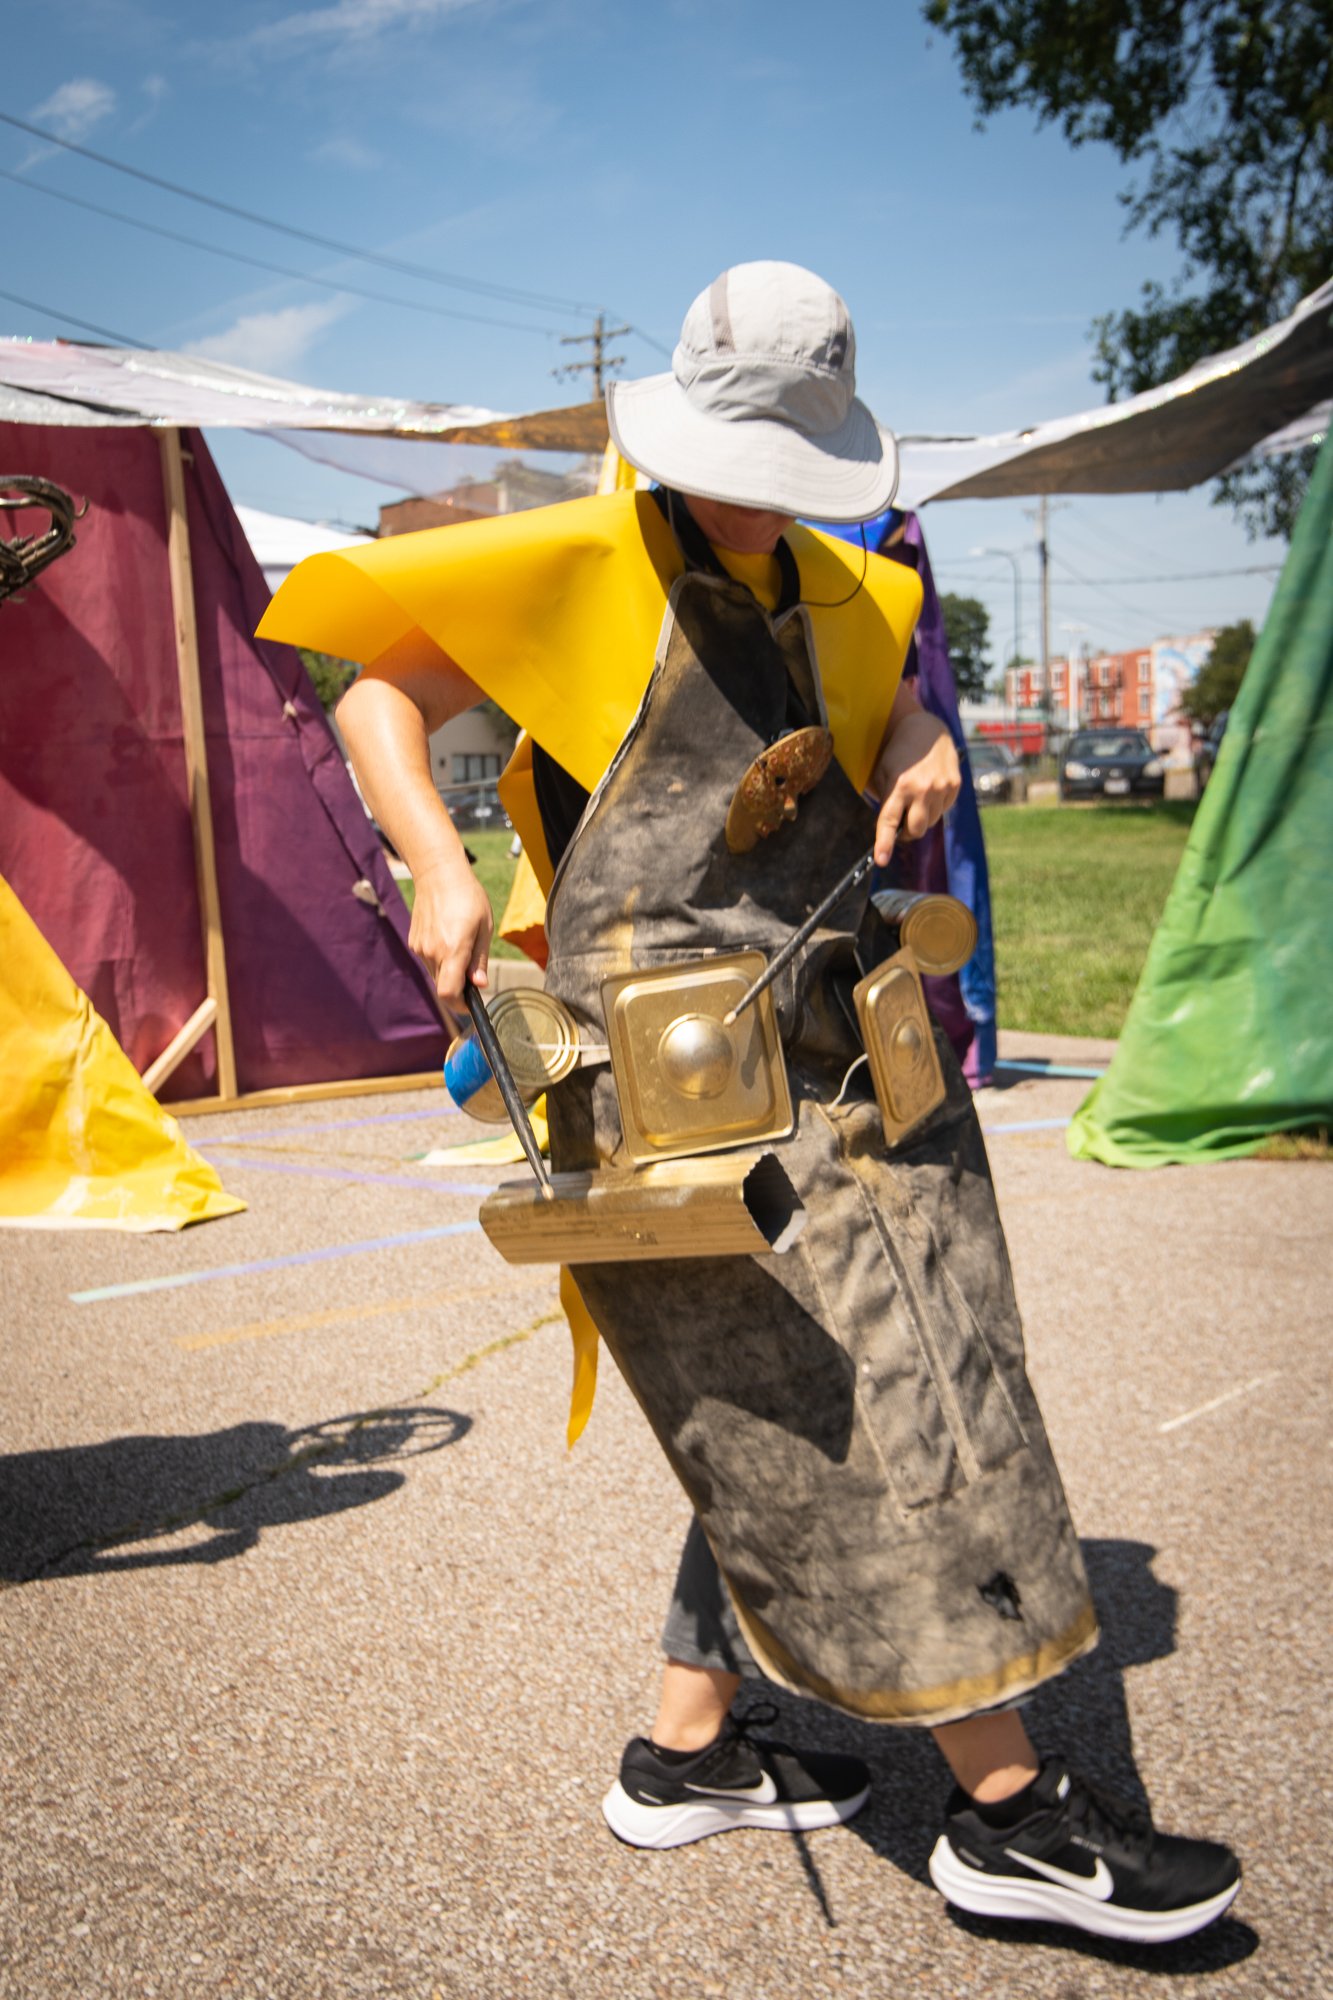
<point>601,361</point>
<point>1040,516</point>
<point>1045,571</point>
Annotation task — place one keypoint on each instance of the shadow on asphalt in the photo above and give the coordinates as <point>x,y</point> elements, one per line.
<point>1008,1076</point>
<point>1083,1714</point>
<point>1224,1944</point>
<point>85,1509</point>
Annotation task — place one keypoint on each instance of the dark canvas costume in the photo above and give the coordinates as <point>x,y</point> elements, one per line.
<point>851,1421</point>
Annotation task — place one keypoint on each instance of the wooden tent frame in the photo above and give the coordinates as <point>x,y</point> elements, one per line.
<point>214,1011</point>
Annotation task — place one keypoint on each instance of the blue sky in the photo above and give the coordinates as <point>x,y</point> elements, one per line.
<point>586,154</point>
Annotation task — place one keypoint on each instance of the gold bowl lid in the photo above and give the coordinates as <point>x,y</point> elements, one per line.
<point>538,1035</point>
<point>942,934</point>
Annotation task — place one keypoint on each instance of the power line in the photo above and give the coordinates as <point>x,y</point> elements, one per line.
<point>263,264</point>
<point>89,326</point>
<point>1113,591</point>
<point>1183,576</point>
<point>1106,533</point>
<point>649,341</point>
<point>511,294</point>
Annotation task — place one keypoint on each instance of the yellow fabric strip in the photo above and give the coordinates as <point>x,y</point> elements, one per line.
<point>583,1331</point>
<point>505,1150</point>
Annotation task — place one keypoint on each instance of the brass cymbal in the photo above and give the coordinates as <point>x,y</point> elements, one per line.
<point>766,796</point>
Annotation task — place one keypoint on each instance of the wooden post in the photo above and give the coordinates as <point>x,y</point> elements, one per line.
<point>196,754</point>
<point>173,1055</point>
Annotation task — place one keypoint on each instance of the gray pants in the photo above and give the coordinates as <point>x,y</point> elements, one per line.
<point>701,1628</point>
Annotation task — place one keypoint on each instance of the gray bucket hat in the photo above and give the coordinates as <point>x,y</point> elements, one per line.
<point>760,406</point>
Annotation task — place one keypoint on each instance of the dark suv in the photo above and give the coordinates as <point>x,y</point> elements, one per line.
<point>1111,763</point>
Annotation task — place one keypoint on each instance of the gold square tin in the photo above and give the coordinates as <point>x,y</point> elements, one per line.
<point>900,1043</point>
<point>685,1082</point>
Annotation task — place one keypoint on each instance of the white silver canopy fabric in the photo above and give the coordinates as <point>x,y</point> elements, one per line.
<point>280,543</point>
<point>68,382</point>
<point>1270,394</point>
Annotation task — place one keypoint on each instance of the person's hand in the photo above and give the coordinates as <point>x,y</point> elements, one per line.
<point>451,928</point>
<point>918,779</point>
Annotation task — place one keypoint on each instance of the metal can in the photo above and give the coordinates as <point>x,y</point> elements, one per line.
<point>939,931</point>
<point>540,1040</point>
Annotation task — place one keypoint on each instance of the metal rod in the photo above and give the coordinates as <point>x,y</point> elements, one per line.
<point>854,876</point>
<point>500,1070</point>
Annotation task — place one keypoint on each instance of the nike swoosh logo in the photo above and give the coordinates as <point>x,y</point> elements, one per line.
<point>1100,1884</point>
<point>763,1794</point>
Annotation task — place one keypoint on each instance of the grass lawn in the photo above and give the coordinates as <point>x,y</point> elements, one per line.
<point>1077,892</point>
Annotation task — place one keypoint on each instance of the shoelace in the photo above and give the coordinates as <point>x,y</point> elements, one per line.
<point>761,1715</point>
<point>1104,1815</point>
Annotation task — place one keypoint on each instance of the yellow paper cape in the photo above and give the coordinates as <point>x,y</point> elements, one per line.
<point>555,614</point>
<point>82,1144</point>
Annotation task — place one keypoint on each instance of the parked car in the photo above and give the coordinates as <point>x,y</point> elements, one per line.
<point>997,774</point>
<point>1206,749</point>
<point>477,807</point>
<point>1111,763</point>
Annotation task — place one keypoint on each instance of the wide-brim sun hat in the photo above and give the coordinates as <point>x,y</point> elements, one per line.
<point>759,408</point>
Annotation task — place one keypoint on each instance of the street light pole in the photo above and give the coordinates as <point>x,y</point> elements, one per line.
<point>1071,701</point>
<point>1011,558</point>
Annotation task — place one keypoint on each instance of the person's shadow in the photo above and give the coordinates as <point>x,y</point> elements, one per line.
<point>141,1502</point>
<point>1084,1714</point>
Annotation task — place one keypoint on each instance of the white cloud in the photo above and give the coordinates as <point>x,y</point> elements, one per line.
<point>352,21</point>
<point>271,342</point>
<point>344,151</point>
<point>155,87</point>
<point>74,109</point>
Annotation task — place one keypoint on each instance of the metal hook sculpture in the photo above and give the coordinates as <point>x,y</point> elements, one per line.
<point>24,557</point>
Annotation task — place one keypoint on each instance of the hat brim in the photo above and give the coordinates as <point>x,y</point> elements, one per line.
<point>846,475</point>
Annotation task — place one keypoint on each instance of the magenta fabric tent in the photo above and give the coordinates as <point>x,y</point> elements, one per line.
<point>303,929</point>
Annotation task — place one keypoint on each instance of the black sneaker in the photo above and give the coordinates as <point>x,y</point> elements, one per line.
<point>738,1780</point>
<point>1082,1858</point>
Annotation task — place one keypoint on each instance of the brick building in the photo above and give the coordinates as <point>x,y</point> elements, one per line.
<point>1139,689</point>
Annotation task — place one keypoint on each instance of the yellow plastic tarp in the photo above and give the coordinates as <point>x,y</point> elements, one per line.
<point>82,1144</point>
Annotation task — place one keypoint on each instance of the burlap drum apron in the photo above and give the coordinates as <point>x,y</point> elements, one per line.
<point>852,1421</point>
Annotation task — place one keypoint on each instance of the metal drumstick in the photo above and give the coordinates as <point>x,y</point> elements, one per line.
<point>513,1103</point>
<point>851,880</point>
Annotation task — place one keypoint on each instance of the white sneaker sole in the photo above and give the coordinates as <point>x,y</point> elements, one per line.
<point>675,1826</point>
<point>1006,1896</point>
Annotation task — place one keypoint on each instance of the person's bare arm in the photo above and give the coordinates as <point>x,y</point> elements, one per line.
<point>916,775</point>
<point>387,717</point>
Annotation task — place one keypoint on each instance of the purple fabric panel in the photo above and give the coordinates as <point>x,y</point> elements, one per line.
<point>94,818</point>
<point>323,985</point>
<point>923,864</point>
<point>959,840</point>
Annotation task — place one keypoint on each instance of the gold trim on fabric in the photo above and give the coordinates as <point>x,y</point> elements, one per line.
<point>924,1708</point>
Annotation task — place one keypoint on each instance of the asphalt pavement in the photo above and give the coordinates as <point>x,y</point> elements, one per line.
<point>319,1649</point>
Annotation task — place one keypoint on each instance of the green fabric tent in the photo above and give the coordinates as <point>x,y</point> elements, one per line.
<point>1229,1036</point>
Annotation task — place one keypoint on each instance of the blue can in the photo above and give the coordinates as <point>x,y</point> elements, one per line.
<point>469,1080</point>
